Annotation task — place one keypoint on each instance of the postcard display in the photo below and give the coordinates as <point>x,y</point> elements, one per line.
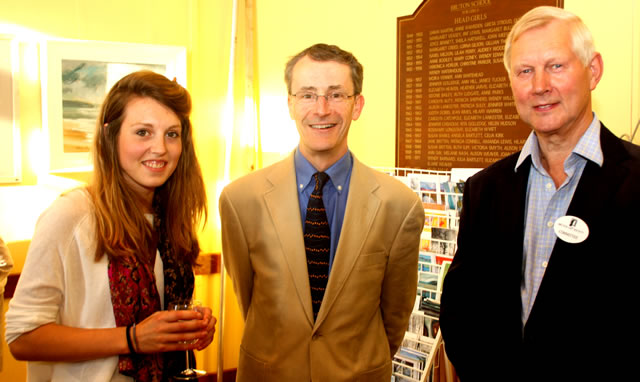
<point>454,106</point>
<point>441,196</point>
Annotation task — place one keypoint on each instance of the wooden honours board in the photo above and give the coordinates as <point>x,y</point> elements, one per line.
<point>454,102</point>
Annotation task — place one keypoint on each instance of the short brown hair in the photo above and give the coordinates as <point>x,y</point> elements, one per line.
<point>324,52</point>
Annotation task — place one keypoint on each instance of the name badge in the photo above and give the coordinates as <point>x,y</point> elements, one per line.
<point>571,229</point>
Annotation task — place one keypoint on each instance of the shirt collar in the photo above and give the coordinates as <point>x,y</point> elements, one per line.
<point>588,146</point>
<point>338,172</point>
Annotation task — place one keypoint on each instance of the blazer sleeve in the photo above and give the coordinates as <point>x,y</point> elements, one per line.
<point>480,310</point>
<point>459,301</point>
<point>235,252</point>
<point>401,276</point>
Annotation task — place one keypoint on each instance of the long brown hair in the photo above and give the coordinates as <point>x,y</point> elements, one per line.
<point>180,203</point>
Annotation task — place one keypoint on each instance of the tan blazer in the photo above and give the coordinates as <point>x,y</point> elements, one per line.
<point>371,288</point>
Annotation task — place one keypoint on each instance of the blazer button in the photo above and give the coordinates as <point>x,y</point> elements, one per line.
<point>315,336</point>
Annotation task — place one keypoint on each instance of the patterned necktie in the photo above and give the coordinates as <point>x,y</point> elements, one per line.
<point>317,242</point>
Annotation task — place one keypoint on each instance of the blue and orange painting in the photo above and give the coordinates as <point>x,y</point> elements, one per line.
<point>84,86</point>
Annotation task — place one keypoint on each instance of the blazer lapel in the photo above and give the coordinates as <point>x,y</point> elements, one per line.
<point>518,198</point>
<point>598,184</point>
<point>362,206</point>
<point>282,204</point>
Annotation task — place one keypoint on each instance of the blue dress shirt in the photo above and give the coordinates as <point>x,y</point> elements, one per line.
<point>334,193</point>
<point>545,204</point>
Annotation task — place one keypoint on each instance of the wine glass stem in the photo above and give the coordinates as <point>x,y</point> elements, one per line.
<point>188,364</point>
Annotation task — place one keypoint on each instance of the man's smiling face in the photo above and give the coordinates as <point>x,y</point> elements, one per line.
<point>323,126</point>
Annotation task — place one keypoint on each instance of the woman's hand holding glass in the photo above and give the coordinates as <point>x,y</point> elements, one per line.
<point>188,373</point>
<point>175,330</point>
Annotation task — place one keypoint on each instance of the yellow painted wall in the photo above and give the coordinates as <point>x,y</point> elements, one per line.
<point>284,27</point>
<point>616,30</point>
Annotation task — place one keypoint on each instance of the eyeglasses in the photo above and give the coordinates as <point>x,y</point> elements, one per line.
<point>309,98</point>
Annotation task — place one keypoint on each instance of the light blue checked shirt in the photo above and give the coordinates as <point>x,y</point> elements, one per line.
<point>545,204</point>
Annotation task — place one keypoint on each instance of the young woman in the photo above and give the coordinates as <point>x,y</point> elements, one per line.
<point>106,260</point>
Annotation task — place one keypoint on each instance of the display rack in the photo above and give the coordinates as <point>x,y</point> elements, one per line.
<point>442,200</point>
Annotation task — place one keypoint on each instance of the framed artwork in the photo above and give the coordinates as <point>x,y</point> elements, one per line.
<point>76,76</point>
<point>10,153</point>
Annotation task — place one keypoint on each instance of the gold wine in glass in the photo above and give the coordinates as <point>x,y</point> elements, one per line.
<point>189,373</point>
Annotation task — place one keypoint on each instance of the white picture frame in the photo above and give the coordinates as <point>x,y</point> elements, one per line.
<point>75,77</point>
<point>10,143</point>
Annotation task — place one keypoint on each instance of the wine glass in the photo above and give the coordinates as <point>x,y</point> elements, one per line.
<point>188,373</point>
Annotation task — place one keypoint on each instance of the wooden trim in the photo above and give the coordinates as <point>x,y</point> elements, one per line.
<point>208,264</point>
<point>227,376</point>
<point>10,288</point>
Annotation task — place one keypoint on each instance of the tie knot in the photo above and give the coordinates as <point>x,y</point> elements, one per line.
<point>321,180</point>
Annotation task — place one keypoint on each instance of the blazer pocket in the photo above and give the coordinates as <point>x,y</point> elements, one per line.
<point>251,368</point>
<point>378,374</point>
<point>376,259</point>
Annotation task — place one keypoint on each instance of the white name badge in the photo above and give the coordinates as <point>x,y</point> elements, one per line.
<point>571,229</point>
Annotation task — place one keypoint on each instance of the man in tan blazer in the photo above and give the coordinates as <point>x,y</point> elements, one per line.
<point>375,224</point>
